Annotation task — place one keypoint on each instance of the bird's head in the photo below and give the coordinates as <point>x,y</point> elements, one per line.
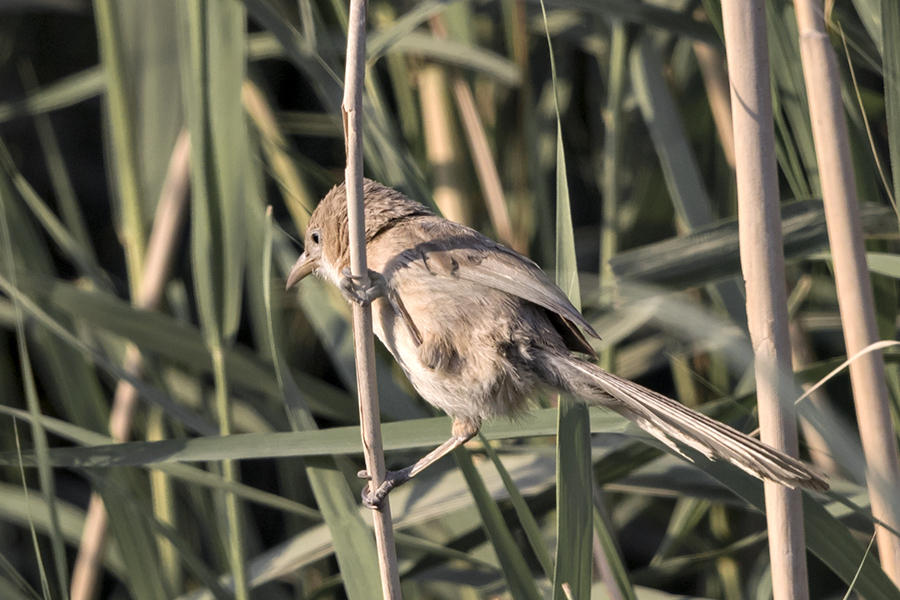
<point>326,244</point>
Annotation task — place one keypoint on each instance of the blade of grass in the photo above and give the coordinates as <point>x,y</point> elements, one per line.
<point>74,249</point>
<point>145,580</point>
<point>890,60</point>
<point>379,42</point>
<point>791,103</point>
<point>176,411</point>
<point>404,435</point>
<point>573,455</point>
<point>186,473</point>
<point>682,174</point>
<point>526,517</point>
<point>127,176</point>
<point>609,555</point>
<point>45,583</point>
<point>15,583</point>
<point>461,55</point>
<point>38,433</point>
<point>613,141</point>
<point>515,571</point>
<point>711,253</point>
<point>214,60</point>
<point>60,94</point>
<point>141,517</point>
<point>59,174</point>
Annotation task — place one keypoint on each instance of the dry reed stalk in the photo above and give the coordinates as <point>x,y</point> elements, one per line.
<point>762,263</point>
<point>167,224</point>
<point>715,79</point>
<point>854,288</point>
<point>440,143</point>
<point>297,197</point>
<point>485,166</point>
<point>369,419</point>
<point>818,446</point>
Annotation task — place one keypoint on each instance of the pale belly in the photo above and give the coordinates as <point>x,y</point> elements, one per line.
<point>457,367</point>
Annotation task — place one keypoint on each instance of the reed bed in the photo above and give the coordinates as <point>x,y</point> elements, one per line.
<point>157,375</point>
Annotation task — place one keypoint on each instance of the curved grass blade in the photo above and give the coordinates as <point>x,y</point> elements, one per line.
<point>128,193</point>
<point>60,94</point>
<point>526,517</point>
<point>183,472</point>
<point>378,43</point>
<point>682,174</point>
<point>460,54</point>
<point>573,453</point>
<point>515,570</point>
<point>710,253</point>
<point>176,411</point>
<point>38,433</point>
<point>404,435</point>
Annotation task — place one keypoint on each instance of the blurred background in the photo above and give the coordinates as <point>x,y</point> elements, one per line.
<point>140,146</point>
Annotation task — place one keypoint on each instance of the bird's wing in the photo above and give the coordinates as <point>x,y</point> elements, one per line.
<point>457,251</point>
<point>508,271</point>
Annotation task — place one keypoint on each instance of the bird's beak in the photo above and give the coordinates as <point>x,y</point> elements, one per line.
<point>303,267</point>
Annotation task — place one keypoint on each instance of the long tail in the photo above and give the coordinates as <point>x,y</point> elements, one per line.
<point>671,421</point>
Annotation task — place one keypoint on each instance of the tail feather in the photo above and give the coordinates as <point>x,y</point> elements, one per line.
<point>671,421</point>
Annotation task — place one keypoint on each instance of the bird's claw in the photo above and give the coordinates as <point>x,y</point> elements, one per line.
<point>356,290</point>
<point>392,479</point>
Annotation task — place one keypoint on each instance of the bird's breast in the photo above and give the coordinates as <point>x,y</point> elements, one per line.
<point>453,351</point>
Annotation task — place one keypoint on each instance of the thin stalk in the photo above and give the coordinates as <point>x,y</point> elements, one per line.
<point>38,433</point>
<point>762,263</point>
<point>709,59</point>
<point>297,198</point>
<point>167,226</point>
<point>370,424</point>
<point>611,181</point>
<point>485,165</point>
<point>817,444</point>
<point>482,158</point>
<point>854,289</point>
<point>230,473</point>
<point>441,146</point>
<point>56,168</point>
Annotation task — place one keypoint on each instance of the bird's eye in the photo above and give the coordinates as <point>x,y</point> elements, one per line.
<point>315,237</point>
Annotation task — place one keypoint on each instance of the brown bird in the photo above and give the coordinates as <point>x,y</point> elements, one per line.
<point>478,328</point>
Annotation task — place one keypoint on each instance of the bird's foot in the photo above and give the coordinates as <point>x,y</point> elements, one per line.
<point>358,290</point>
<point>392,479</point>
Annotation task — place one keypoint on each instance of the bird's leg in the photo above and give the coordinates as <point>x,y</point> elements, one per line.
<point>462,431</point>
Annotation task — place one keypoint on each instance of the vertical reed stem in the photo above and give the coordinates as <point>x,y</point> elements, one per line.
<point>762,263</point>
<point>851,274</point>
<point>362,315</point>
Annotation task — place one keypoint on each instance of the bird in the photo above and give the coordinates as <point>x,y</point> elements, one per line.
<point>478,329</point>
